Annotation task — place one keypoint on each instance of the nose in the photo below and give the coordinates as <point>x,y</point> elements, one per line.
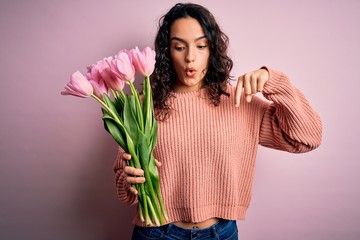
<point>190,55</point>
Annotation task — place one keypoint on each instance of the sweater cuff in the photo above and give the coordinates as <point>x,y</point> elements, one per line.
<point>119,162</point>
<point>122,186</point>
<point>277,83</point>
<point>123,189</point>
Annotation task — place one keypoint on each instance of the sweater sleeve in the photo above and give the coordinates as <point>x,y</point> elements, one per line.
<point>289,123</point>
<point>122,186</point>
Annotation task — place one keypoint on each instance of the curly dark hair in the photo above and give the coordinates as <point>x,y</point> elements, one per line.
<point>164,75</point>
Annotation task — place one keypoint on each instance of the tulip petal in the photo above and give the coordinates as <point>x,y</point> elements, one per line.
<point>144,61</point>
<point>78,86</point>
<point>123,65</point>
<point>112,80</point>
<point>99,88</point>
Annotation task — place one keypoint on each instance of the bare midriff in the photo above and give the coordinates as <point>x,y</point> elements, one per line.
<point>198,225</point>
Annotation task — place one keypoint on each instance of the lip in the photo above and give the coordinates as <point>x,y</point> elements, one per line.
<point>190,72</point>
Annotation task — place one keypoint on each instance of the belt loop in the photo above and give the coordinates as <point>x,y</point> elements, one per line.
<point>214,232</point>
<point>169,228</point>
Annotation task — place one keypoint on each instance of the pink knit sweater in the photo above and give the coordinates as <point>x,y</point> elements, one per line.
<point>208,153</point>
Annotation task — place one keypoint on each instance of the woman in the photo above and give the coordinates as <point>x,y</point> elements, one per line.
<point>209,131</point>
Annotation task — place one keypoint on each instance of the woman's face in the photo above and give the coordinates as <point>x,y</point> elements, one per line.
<point>189,53</point>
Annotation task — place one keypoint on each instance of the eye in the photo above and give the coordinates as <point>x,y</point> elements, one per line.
<point>202,47</point>
<point>179,48</point>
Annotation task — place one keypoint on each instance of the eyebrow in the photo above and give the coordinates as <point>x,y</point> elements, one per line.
<point>182,40</point>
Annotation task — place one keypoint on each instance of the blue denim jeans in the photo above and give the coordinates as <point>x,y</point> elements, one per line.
<point>222,230</point>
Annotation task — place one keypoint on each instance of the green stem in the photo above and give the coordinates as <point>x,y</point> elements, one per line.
<point>152,196</point>
<point>141,214</point>
<point>142,193</point>
<point>115,95</point>
<point>161,203</point>
<point>145,205</point>
<point>121,97</point>
<point>107,109</point>
<point>138,105</point>
<point>153,212</point>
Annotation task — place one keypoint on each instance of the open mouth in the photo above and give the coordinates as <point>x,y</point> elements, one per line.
<point>190,72</point>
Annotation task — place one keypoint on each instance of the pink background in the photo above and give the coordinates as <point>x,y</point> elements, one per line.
<point>56,179</point>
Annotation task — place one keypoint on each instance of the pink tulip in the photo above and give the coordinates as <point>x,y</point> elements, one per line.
<point>78,86</point>
<point>144,61</point>
<point>97,82</point>
<point>93,72</point>
<point>111,80</point>
<point>122,66</point>
<point>99,89</point>
<point>123,51</point>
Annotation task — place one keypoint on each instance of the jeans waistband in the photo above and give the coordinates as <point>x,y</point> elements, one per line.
<point>190,233</point>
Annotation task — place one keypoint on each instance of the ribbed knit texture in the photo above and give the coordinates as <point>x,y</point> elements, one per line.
<point>208,153</point>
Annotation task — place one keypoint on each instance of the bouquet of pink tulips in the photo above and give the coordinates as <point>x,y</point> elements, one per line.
<point>129,119</point>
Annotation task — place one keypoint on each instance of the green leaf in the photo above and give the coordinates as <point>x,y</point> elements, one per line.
<point>151,173</point>
<point>147,160</point>
<point>115,130</point>
<point>153,135</point>
<point>147,107</point>
<point>154,174</point>
<point>119,102</point>
<point>130,122</point>
<point>132,149</point>
<point>111,105</point>
<point>135,110</point>
<point>144,151</point>
<point>137,106</point>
